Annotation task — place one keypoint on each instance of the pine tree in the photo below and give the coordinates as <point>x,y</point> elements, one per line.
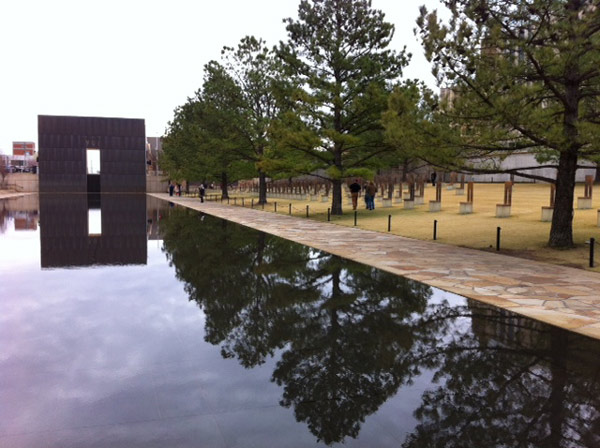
<point>337,54</point>
<point>526,77</point>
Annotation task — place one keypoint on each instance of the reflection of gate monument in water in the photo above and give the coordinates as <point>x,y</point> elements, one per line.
<point>73,232</point>
<point>90,154</point>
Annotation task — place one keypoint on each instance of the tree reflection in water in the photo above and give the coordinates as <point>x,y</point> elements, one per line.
<point>351,336</point>
<point>511,382</point>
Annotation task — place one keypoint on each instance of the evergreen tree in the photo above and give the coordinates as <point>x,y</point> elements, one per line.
<point>525,77</point>
<point>257,74</point>
<point>408,125</point>
<point>337,54</point>
<point>201,142</point>
<point>222,132</point>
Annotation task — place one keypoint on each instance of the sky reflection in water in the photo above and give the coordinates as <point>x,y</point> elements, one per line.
<point>206,333</point>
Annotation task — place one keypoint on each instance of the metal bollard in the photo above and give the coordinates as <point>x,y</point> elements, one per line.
<point>435,229</point>
<point>592,244</point>
<point>498,238</point>
<point>355,216</point>
<point>328,214</point>
<point>290,209</point>
<point>275,206</point>
<point>307,211</point>
<point>389,223</point>
<point>252,203</point>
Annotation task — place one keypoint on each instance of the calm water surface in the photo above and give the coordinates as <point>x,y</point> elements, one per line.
<point>125,322</point>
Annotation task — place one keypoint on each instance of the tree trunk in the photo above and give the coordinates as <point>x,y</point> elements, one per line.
<point>561,232</point>
<point>224,192</point>
<point>262,187</point>
<point>336,202</point>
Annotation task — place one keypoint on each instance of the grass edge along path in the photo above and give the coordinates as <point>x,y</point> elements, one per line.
<point>522,235</point>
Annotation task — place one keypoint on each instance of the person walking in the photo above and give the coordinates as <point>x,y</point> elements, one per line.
<point>201,192</point>
<point>171,188</point>
<point>371,191</point>
<point>354,190</point>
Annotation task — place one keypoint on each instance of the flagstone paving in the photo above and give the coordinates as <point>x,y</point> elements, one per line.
<point>558,295</point>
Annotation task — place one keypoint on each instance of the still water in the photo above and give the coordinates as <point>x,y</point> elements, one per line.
<point>126,322</point>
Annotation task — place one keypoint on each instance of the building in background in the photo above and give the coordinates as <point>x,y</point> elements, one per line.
<point>23,148</point>
<point>153,154</point>
<point>23,157</point>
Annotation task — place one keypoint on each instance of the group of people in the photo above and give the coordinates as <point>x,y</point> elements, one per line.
<point>176,190</point>
<point>370,191</point>
<point>173,189</point>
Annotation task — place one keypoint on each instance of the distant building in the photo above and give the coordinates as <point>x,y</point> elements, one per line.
<point>23,156</point>
<point>153,154</point>
<point>23,148</point>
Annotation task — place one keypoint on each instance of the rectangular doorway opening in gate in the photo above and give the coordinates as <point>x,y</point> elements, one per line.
<point>93,170</point>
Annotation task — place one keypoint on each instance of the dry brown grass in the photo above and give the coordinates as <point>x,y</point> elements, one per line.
<point>522,235</point>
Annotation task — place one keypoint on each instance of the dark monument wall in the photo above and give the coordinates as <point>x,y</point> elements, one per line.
<point>64,237</point>
<point>62,153</point>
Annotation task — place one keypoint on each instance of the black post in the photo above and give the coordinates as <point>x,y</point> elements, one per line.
<point>389,223</point>
<point>275,205</point>
<point>328,214</point>
<point>498,238</point>
<point>252,203</point>
<point>592,244</point>
<point>227,200</point>
<point>355,212</point>
<point>435,229</point>
<point>307,211</point>
<point>290,212</point>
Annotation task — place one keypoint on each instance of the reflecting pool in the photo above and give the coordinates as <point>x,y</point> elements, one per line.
<point>128,322</point>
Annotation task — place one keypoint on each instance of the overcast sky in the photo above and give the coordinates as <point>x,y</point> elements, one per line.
<point>136,58</point>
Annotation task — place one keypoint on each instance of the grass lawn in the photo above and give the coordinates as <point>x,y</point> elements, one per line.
<point>523,234</point>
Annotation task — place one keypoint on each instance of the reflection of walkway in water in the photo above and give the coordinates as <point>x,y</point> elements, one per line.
<point>562,296</point>
<point>7,194</point>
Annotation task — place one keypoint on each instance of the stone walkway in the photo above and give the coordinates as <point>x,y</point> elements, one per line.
<point>562,296</point>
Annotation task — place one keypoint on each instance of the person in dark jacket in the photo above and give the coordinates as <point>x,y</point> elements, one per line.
<point>370,191</point>
<point>354,190</point>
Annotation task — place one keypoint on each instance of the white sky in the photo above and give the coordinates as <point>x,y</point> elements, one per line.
<point>136,58</point>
